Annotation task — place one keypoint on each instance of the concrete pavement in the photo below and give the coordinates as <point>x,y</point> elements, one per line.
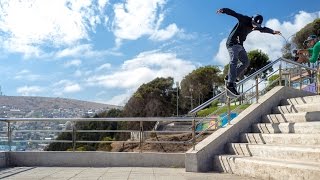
<point>110,173</point>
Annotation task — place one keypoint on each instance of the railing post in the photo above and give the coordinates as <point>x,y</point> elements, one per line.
<point>289,78</point>
<point>73,136</point>
<point>9,131</point>
<point>242,97</point>
<point>141,136</point>
<point>194,133</point>
<point>318,80</point>
<point>300,76</point>
<point>280,73</point>
<point>257,89</point>
<point>229,110</point>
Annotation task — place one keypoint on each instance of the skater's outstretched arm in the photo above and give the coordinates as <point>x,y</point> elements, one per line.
<point>230,12</point>
<point>267,30</point>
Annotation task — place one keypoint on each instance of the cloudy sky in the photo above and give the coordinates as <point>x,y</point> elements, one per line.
<point>104,50</point>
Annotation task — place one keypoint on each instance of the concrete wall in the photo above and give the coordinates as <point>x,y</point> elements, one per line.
<point>96,159</point>
<point>3,159</point>
<point>201,159</point>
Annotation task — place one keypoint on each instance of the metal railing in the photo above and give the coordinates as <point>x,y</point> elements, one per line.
<point>141,133</point>
<point>247,97</point>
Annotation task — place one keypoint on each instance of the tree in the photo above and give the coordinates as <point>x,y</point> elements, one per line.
<point>258,60</point>
<point>198,85</point>
<point>103,125</point>
<point>302,35</point>
<point>154,99</point>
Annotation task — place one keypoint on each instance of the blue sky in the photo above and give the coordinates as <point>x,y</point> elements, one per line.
<point>104,50</point>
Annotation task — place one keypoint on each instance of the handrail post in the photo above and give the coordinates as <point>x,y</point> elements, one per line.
<point>280,73</point>
<point>194,132</point>
<point>73,137</point>
<point>257,89</point>
<point>300,76</point>
<point>318,80</point>
<point>140,136</point>
<point>9,131</point>
<point>229,110</point>
<point>289,76</point>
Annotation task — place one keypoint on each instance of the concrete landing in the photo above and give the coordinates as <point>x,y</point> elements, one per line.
<point>117,173</point>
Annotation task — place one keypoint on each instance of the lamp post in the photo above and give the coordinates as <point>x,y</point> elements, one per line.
<point>177,85</point>
<point>191,98</point>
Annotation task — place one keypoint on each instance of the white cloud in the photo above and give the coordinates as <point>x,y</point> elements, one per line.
<point>104,66</point>
<point>120,100</point>
<point>65,86</point>
<point>164,34</point>
<point>26,25</point>
<point>83,50</point>
<point>134,19</point>
<point>26,75</point>
<point>72,88</point>
<point>75,62</point>
<point>29,90</point>
<point>144,68</point>
<point>270,44</point>
<point>77,73</point>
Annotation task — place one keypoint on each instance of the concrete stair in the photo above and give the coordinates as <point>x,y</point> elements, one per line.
<point>285,145</point>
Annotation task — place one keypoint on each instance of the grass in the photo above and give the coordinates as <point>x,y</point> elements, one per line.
<point>223,109</point>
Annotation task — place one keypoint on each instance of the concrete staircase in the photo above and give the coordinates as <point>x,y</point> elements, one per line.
<point>285,145</point>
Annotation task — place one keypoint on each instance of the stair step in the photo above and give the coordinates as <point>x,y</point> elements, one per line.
<point>296,108</point>
<point>301,100</point>
<point>292,117</point>
<point>288,152</point>
<point>284,139</point>
<point>300,128</point>
<point>266,168</point>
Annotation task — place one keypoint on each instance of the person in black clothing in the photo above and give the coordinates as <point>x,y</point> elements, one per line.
<point>235,47</point>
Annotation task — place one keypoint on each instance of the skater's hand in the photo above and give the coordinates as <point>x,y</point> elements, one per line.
<point>302,51</point>
<point>219,11</point>
<point>277,32</point>
<point>303,56</point>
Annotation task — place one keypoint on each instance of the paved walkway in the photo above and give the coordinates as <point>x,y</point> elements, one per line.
<point>112,173</point>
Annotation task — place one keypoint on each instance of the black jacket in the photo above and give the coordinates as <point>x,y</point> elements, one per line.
<point>241,30</point>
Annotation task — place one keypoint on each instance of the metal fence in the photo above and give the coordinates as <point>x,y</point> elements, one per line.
<point>11,124</point>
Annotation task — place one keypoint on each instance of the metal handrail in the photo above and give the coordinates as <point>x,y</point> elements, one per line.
<point>133,119</point>
<point>202,106</point>
<point>254,75</point>
<point>74,130</point>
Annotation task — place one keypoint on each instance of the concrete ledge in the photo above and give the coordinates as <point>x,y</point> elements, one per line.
<point>201,159</point>
<point>96,159</point>
<point>3,159</point>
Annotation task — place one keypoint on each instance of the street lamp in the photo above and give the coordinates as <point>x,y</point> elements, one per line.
<point>191,98</point>
<point>177,86</point>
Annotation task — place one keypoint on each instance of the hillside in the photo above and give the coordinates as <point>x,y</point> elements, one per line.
<point>34,103</point>
<point>32,106</point>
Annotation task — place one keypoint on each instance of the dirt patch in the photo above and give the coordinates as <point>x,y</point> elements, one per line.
<point>156,147</point>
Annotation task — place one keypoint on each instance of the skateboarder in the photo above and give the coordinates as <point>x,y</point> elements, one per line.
<point>235,47</point>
